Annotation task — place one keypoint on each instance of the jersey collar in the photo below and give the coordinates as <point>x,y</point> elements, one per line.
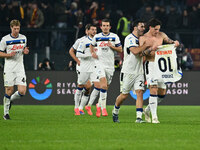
<point>89,38</point>
<point>105,35</point>
<point>13,36</point>
<point>134,35</point>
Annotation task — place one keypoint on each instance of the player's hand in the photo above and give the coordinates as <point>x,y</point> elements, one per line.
<point>110,44</point>
<point>154,48</point>
<point>11,54</point>
<point>95,50</point>
<point>176,43</point>
<point>94,55</point>
<point>26,50</point>
<point>78,62</point>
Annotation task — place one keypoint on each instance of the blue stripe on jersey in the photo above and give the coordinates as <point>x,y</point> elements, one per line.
<point>87,45</point>
<point>15,42</point>
<point>105,39</point>
<point>94,45</point>
<point>132,46</point>
<point>80,52</point>
<point>118,45</point>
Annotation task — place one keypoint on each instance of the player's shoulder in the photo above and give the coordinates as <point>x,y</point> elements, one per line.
<point>162,34</point>
<point>143,37</point>
<point>6,37</point>
<point>21,36</point>
<point>113,34</point>
<point>98,34</point>
<point>81,38</point>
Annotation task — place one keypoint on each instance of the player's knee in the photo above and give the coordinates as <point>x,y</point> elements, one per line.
<point>9,91</point>
<point>87,91</point>
<point>80,86</point>
<point>97,85</point>
<point>22,92</point>
<point>154,90</point>
<point>139,92</point>
<point>123,96</point>
<point>104,86</point>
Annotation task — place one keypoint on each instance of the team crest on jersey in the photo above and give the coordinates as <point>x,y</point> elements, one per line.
<point>16,47</point>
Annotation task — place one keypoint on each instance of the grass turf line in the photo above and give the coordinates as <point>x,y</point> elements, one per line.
<point>56,127</point>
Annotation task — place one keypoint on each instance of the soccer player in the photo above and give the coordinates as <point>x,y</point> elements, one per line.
<point>107,43</point>
<point>132,74</point>
<point>13,47</point>
<point>157,88</point>
<point>82,58</point>
<point>87,67</point>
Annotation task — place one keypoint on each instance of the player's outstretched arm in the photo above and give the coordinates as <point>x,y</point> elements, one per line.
<point>137,50</point>
<point>167,40</point>
<point>4,55</point>
<point>72,54</point>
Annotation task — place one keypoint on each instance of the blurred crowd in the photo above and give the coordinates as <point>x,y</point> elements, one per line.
<point>174,14</point>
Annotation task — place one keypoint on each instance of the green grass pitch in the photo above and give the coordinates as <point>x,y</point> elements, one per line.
<point>56,128</point>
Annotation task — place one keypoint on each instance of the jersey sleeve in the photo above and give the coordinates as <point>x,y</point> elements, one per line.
<point>117,42</point>
<point>25,41</point>
<point>132,42</point>
<point>81,47</point>
<point>75,46</point>
<point>2,45</point>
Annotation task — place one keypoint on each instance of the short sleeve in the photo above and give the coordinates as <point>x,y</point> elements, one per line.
<point>132,42</point>
<point>25,41</point>
<point>117,41</point>
<point>81,47</point>
<point>75,46</point>
<point>2,45</point>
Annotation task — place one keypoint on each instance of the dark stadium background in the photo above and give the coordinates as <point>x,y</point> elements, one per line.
<point>61,22</point>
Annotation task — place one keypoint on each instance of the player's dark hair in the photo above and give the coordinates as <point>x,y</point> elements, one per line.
<point>136,22</point>
<point>88,26</point>
<point>105,20</point>
<point>154,22</point>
